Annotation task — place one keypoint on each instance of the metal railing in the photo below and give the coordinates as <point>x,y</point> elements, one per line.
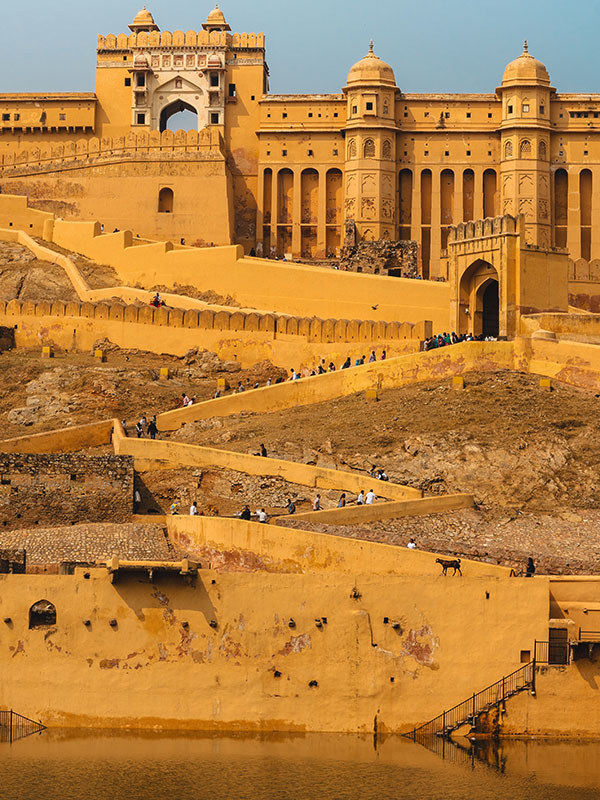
<point>589,636</point>
<point>470,709</point>
<point>15,726</point>
<point>555,653</point>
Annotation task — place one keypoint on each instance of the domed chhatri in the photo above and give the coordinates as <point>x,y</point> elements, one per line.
<point>371,70</point>
<point>216,21</point>
<point>525,69</point>
<point>144,21</point>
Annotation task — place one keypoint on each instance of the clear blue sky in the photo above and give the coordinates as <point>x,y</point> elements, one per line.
<point>432,45</point>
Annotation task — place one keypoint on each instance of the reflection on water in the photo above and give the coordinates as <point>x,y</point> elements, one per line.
<point>61,765</point>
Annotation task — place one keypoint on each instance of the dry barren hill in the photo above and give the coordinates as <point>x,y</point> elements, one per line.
<point>503,439</point>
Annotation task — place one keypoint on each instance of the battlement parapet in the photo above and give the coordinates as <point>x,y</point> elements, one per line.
<point>206,143</point>
<point>168,39</point>
<point>481,228</point>
<point>310,328</point>
<point>582,270</point>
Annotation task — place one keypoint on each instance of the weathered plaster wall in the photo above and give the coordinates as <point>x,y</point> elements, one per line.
<point>151,671</point>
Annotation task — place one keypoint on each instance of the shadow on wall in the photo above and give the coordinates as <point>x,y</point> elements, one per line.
<point>167,594</point>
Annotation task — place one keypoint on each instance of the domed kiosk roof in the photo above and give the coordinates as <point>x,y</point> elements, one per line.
<point>525,69</point>
<point>144,21</point>
<point>216,21</point>
<point>371,70</point>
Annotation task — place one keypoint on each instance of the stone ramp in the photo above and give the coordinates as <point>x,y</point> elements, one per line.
<point>91,543</point>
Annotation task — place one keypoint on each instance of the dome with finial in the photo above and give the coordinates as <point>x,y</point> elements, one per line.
<point>371,70</point>
<point>525,69</point>
<point>144,21</point>
<point>216,21</point>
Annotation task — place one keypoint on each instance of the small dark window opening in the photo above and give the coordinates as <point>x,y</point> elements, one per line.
<point>127,81</point>
<point>5,117</point>
<point>284,153</point>
<point>284,115</point>
<point>42,614</point>
<point>335,114</point>
<point>252,97</point>
<point>310,113</point>
<point>17,117</point>
<point>232,90</point>
<point>165,200</point>
<point>141,119</point>
<point>510,109</point>
<point>355,109</point>
<point>214,78</point>
<point>369,106</point>
<point>542,109</point>
<point>468,115</point>
<point>311,153</point>
<point>140,79</point>
<point>489,114</point>
<point>214,119</point>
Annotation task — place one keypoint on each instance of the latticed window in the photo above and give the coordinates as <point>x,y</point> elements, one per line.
<point>387,149</point>
<point>508,150</point>
<point>543,151</point>
<point>352,148</point>
<point>525,148</point>
<point>369,148</point>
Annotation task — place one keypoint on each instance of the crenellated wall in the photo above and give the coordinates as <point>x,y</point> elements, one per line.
<point>153,39</point>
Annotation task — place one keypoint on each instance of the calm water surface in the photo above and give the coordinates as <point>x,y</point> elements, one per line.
<point>57,765</point>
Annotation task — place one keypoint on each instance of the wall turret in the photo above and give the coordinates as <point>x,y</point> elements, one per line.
<point>525,167</point>
<point>371,148</point>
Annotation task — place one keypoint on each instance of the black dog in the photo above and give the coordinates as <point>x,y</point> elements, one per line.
<point>446,565</point>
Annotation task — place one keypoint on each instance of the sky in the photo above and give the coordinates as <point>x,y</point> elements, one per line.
<point>433,45</point>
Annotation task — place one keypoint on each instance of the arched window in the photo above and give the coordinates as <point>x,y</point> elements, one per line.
<point>42,614</point>
<point>508,150</point>
<point>525,148</point>
<point>165,200</point>
<point>387,149</point>
<point>543,151</point>
<point>352,148</point>
<point>369,148</point>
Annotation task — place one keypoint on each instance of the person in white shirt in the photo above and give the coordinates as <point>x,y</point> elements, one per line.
<point>370,497</point>
<point>361,498</point>
<point>194,510</point>
<point>412,545</point>
<point>262,515</point>
<point>317,503</point>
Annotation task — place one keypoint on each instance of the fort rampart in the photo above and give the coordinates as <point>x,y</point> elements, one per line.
<point>54,489</point>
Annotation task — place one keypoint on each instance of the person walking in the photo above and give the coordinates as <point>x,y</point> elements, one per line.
<point>412,545</point>
<point>139,429</point>
<point>291,506</point>
<point>262,516</point>
<point>530,569</point>
<point>152,428</point>
<point>194,509</point>
<point>361,498</point>
<point>263,451</point>
<point>342,500</point>
<point>372,357</point>
<point>371,497</point>
<point>174,508</point>
<point>185,400</point>
<point>245,513</point>
<point>317,503</point>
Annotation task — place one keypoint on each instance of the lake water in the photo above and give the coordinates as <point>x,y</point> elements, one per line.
<point>70,764</point>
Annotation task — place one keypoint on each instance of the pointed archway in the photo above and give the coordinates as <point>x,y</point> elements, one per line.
<point>479,300</point>
<point>179,107</point>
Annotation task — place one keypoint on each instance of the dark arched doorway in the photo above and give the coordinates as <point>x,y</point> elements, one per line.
<point>187,119</point>
<point>490,317</point>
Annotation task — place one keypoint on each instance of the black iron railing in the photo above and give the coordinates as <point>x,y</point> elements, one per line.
<point>479,702</point>
<point>15,726</point>
<point>557,653</point>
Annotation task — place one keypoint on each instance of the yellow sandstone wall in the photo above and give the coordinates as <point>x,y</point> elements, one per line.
<point>149,671</point>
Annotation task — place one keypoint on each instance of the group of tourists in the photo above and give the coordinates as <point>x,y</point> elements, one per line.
<point>445,339</point>
<point>143,427</point>
<point>323,367</point>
